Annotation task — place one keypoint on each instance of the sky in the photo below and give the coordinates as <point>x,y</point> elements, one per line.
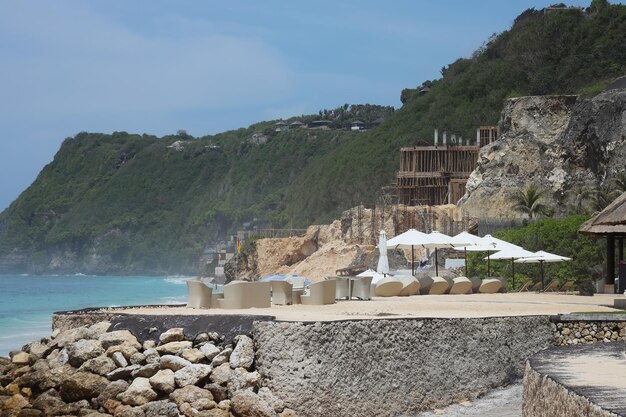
<point>158,66</point>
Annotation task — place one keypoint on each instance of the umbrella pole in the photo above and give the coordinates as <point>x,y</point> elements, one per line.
<point>436,266</point>
<point>513,268</point>
<point>465,250</point>
<point>412,260</point>
<point>488,264</point>
<point>542,286</point>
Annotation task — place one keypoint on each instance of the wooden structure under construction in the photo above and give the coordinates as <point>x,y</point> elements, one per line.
<point>437,174</point>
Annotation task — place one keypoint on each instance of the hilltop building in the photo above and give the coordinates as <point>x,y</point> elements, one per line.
<point>437,174</point>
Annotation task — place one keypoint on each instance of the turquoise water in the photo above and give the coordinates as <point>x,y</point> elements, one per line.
<point>27,302</point>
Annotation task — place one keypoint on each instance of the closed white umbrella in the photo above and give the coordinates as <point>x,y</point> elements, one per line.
<point>542,257</point>
<point>512,254</point>
<point>383,261</point>
<point>409,239</point>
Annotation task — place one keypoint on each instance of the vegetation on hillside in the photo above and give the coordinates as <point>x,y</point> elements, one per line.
<point>142,206</point>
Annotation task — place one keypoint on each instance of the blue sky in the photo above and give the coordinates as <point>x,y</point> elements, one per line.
<point>157,66</point>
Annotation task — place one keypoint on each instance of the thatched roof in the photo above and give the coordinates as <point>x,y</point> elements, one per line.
<point>610,221</point>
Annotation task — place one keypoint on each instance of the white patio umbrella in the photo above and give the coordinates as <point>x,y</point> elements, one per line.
<point>371,273</point>
<point>438,240</point>
<point>383,261</point>
<point>409,239</point>
<point>465,240</point>
<point>542,257</point>
<point>512,254</point>
<point>480,244</point>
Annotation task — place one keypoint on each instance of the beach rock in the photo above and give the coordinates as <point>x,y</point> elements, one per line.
<point>241,379</point>
<point>216,412</point>
<point>221,374</point>
<point>224,405</point>
<point>98,329</point>
<point>152,356</point>
<point>149,344</point>
<point>100,365</point>
<point>128,411</point>
<point>220,393</point>
<point>58,358</point>
<point>192,355</point>
<point>210,351</point>
<point>119,359</point>
<point>112,390</point>
<point>139,392</point>
<point>189,394</point>
<point>276,403</point>
<point>118,337</point>
<point>40,350</point>
<point>137,358</point>
<point>287,412</point>
<point>122,373</point>
<point>223,357</point>
<point>161,408</point>
<point>204,404</point>
<point>163,381</point>
<point>249,404</point>
<point>173,348</point>
<point>66,337</point>
<point>82,385</point>
<point>83,350</point>
<point>146,371</point>
<point>21,358</point>
<point>93,413</point>
<point>172,335</point>
<point>173,362</point>
<point>48,402</point>
<point>30,412</point>
<point>192,374</point>
<point>201,338</point>
<point>127,349</point>
<point>243,354</point>
<point>15,402</point>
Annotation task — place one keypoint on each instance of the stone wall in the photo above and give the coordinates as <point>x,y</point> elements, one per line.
<point>393,367</point>
<point>585,332</point>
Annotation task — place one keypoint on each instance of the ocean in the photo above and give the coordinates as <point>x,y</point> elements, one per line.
<point>27,302</point>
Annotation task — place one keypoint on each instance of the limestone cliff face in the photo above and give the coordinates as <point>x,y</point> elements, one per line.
<point>553,142</point>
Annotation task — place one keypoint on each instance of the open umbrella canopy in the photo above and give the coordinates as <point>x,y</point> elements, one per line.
<point>500,244</point>
<point>512,254</point>
<point>383,262</point>
<point>273,277</point>
<point>542,256</point>
<point>465,239</point>
<point>408,239</point>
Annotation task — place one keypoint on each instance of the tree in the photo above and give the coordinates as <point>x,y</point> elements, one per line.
<point>528,201</point>
<point>620,183</point>
<point>582,196</point>
<point>603,196</point>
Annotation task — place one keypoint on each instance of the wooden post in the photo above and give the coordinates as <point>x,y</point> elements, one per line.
<point>610,260</point>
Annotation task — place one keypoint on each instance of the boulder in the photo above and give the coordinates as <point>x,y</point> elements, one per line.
<point>189,394</point>
<point>248,404</point>
<point>287,412</point>
<point>127,349</point>
<point>241,379</point>
<point>100,365</point>
<point>137,358</point>
<point>122,373</point>
<point>221,374</point>
<point>112,390</point>
<point>192,355</point>
<point>128,411</point>
<point>15,402</point>
<point>30,412</point>
<point>221,358</point>
<point>139,392</point>
<point>118,337</point>
<point>151,356</point>
<point>216,412</point>
<point>163,381</point>
<point>82,386</point>
<point>173,362</point>
<point>172,335</point>
<point>66,337</point>
<point>219,392</point>
<point>210,351</point>
<point>243,354</point>
<point>276,403</point>
<point>146,371</point>
<point>119,359</point>
<point>50,403</point>
<point>174,348</point>
<point>21,358</point>
<point>40,350</point>
<point>203,404</point>
<point>149,344</point>
<point>162,408</point>
<point>98,329</point>
<point>192,375</point>
<point>83,350</point>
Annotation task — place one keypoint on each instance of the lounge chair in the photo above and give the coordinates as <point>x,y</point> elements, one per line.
<point>361,288</point>
<point>320,293</point>
<point>410,285</point>
<point>297,282</point>
<point>461,285</point>
<point>503,281</point>
<point>552,286</point>
<point>536,287</point>
<point>439,286</point>
<point>525,286</point>
<point>490,286</point>
<point>342,289</point>
<point>198,294</point>
<point>388,287</point>
<point>282,292</point>
<point>243,294</point>
<point>566,287</point>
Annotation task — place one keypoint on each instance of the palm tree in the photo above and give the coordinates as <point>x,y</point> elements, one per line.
<point>528,201</point>
<point>620,182</point>
<point>603,196</point>
<point>581,196</point>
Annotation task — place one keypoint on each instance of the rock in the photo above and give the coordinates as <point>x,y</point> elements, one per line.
<point>127,349</point>
<point>139,392</point>
<point>29,412</point>
<point>82,386</point>
<point>146,371</point>
<point>152,356</point>
<point>163,381</point>
<point>119,359</point>
<point>173,348</point>
<point>172,335</point>
<point>21,358</point>
<point>565,331</point>
<point>276,403</point>
<point>15,402</point>
<point>221,374</point>
<point>223,357</point>
<point>137,358</point>
<point>100,365</point>
<point>128,411</point>
<point>219,392</point>
<point>162,408</point>
<point>216,412</point>
<point>192,355</point>
<point>248,404</point>
<point>243,354</point>
<point>40,350</point>
<point>118,337</point>
<point>224,405</point>
<point>59,358</point>
<point>201,338</point>
<point>70,336</point>
<point>192,375</point>
<point>92,413</point>
<point>50,403</point>
<point>149,344</point>
<point>287,412</point>
<point>111,405</point>
<point>173,362</point>
<point>112,390</point>
<point>189,394</point>
<point>122,373</point>
<point>83,350</point>
<point>203,404</point>
<point>209,350</point>
<point>241,379</point>
<point>98,329</point>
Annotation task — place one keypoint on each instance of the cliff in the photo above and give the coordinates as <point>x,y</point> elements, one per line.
<point>556,143</point>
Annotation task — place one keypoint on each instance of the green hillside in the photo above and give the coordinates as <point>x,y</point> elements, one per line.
<point>126,203</point>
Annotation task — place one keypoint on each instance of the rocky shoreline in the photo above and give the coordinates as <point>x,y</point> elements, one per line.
<point>90,371</point>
